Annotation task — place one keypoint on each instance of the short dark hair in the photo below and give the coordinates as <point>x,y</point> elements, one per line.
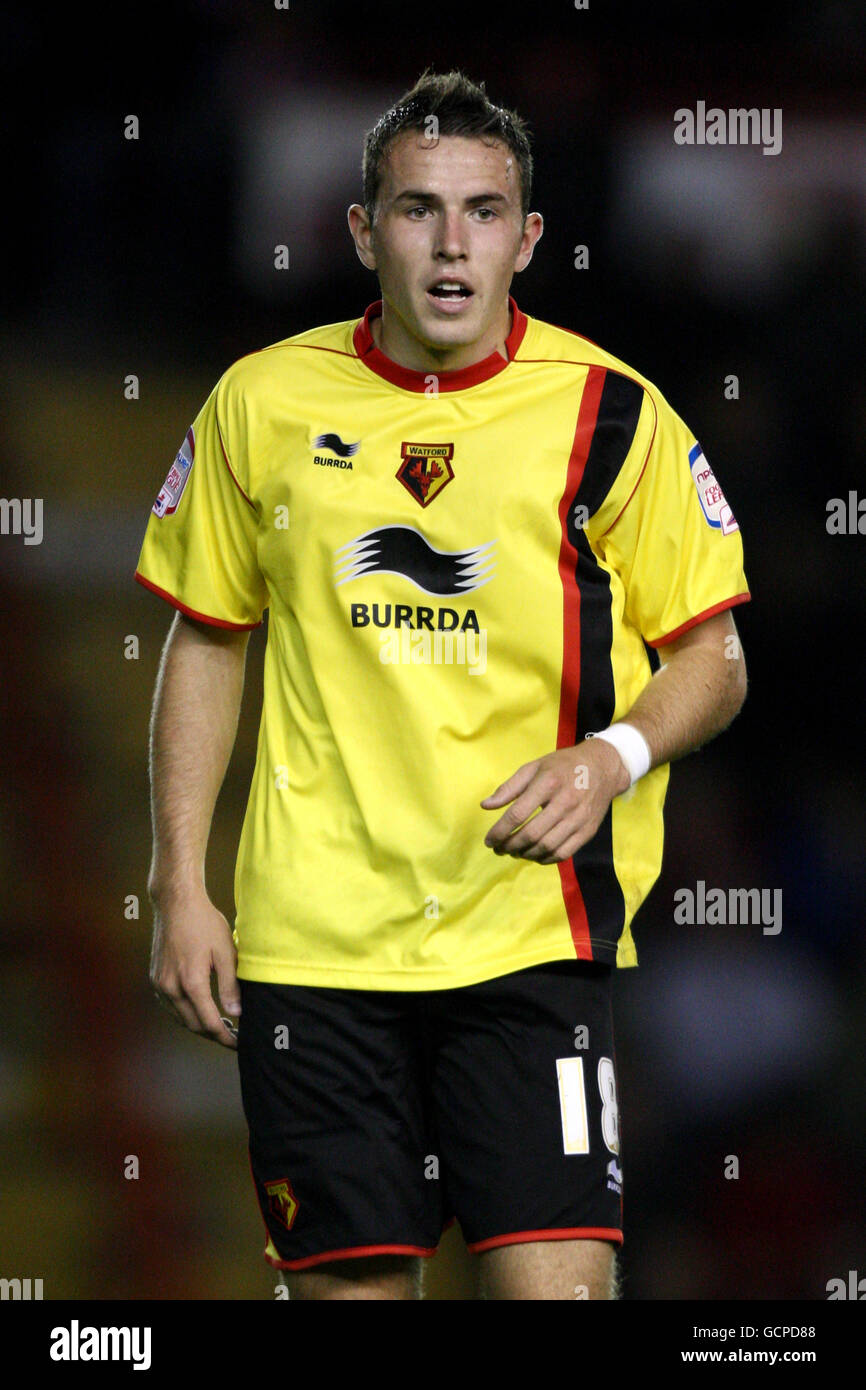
<point>461,107</point>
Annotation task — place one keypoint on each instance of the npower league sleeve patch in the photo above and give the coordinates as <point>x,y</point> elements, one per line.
<point>172,489</point>
<point>716,510</point>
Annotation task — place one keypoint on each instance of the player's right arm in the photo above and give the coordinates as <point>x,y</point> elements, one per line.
<point>193,727</point>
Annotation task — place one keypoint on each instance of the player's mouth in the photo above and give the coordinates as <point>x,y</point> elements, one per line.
<point>450,296</point>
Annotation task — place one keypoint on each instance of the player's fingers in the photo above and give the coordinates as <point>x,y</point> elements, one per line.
<point>548,845</point>
<point>507,824</point>
<point>515,784</point>
<point>177,1008</point>
<point>207,1015</point>
<point>228,989</point>
<point>552,848</point>
<point>537,827</point>
<point>539,792</point>
<point>570,846</point>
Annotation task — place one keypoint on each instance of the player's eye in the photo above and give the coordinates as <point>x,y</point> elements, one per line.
<point>485,214</point>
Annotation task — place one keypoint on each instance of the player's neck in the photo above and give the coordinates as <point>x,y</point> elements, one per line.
<point>391,338</point>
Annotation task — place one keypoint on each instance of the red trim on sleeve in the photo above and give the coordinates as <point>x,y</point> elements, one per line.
<point>557,1233</point>
<point>355,1252</point>
<point>702,617</point>
<point>191,612</point>
<point>587,417</point>
<point>457,380</point>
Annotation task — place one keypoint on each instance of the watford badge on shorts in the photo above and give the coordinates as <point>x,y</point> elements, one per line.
<point>425,470</point>
<point>282,1202</point>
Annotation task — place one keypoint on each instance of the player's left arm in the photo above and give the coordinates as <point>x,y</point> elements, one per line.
<point>695,694</point>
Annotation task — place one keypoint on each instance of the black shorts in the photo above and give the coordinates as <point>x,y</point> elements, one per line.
<point>378,1117</point>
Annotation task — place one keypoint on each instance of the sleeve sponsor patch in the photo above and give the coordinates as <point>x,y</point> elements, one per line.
<point>716,511</point>
<point>172,489</point>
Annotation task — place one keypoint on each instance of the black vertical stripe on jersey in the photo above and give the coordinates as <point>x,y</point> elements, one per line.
<point>618,412</point>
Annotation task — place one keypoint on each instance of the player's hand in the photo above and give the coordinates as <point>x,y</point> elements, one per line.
<point>570,790</point>
<point>192,940</point>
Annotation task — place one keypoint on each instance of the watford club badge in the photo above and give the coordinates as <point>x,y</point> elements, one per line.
<point>425,470</point>
<point>282,1202</point>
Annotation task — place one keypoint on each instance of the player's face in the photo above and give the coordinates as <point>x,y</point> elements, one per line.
<point>447,239</point>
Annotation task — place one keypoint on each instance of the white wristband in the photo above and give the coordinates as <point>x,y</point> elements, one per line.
<point>632,747</point>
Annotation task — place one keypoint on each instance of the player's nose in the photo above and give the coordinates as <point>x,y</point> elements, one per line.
<point>451,236</point>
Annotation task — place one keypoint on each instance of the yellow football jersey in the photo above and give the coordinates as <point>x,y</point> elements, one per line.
<point>462,572</point>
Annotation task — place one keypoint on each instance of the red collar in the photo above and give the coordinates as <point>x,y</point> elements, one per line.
<point>412,380</point>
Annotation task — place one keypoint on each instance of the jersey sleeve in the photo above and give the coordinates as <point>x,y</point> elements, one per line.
<point>199,549</point>
<point>675,541</point>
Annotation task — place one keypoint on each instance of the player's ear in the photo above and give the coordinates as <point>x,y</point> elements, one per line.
<point>533,228</point>
<point>362,232</point>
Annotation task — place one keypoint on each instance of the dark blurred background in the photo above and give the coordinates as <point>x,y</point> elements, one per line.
<point>154,258</point>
